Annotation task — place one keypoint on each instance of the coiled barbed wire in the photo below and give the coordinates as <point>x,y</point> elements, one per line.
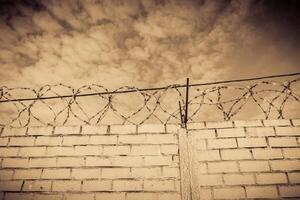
<point>60,104</point>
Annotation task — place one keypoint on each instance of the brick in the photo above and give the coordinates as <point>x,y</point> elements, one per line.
<point>10,185</point>
<point>221,143</point>
<point>203,134</point>
<point>66,186</point>
<point>221,124</point>
<point>260,131</point>
<point>271,178</point>
<point>116,150</point>
<point>127,161</point>
<point>76,140</point>
<point>229,193</point>
<point>287,131</point>
<point>127,185</point>
<point>21,141</point>
<point>171,172</point>
<point>48,141</point>
<point>252,142</point>
<point>15,163</point>
<point>37,185</point>
<point>60,151</point>
<point>177,186</point>
<point>285,165</point>
<point>85,173</point>
<point>6,174</point>
<point>103,139</point>
<point>19,196</point>
<point>230,132</point>
<point>114,173</point>
<point>3,142</point>
<point>208,155</point>
<point>168,196</point>
<point>172,128</point>
<point>296,122</point>
<point>254,166</point>
<point>157,185</point>
<point>267,153</point>
<point>277,122</point>
<point>145,150</point>
<point>42,162</point>
<point>87,150</point>
<point>7,131</point>
<point>169,149</point>
<point>289,191</point>
<point>291,152</point>
<point>8,151</point>
<point>235,154</point>
<point>199,144</point>
<point>294,177</point>
<point>261,192</point>
<point>151,172</point>
<point>218,167</point>
<point>142,195</point>
<point>70,162</point>
<point>79,196</point>
<point>56,174</point>
<point>111,196</point>
<point>67,130</point>
<point>198,125</point>
<point>238,179</point>
<point>123,129</point>
<point>93,130</point>
<point>210,180</point>
<point>32,151</point>
<point>247,123</point>
<point>201,168</point>
<point>132,139</point>
<point>40,130</point>
<point>47,196</point>
<point>161,139</point>
<point>151,128</point>
<point>96,185</point>
<point>206,193</point>
<point>157,160</point>
<point>27,174</point>
<point>98,161</point>
<point>283,142</point>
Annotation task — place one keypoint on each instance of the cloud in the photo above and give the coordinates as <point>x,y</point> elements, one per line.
<point>140,42</point>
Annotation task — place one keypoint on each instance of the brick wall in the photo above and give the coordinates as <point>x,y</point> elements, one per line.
<point>218,160</point>
<point>117,162</point>
<point>245,159</point>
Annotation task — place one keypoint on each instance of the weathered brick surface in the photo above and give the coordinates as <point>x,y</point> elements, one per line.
<point>257,159</point>
<point>231,160</point>
<point>229,193</point>
<point>117,162</point>
<point>231,132</point>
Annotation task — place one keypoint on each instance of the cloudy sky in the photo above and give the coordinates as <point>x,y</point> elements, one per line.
<point>145,43</point>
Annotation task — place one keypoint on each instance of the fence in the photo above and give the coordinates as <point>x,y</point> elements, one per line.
<point>56,105</point>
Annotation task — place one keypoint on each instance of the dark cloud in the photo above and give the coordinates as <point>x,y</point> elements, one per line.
<point>145,43</point>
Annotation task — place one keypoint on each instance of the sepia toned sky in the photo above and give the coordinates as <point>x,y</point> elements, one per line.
<point>145,43</point>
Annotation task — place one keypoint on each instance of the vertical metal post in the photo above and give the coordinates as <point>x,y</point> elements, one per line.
<point>186,101</point>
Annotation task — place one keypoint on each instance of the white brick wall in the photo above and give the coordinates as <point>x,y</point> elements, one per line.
<point>257,159</point>
<point>117,162</point>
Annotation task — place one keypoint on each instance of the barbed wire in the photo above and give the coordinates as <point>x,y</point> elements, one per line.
<point>60,104</point>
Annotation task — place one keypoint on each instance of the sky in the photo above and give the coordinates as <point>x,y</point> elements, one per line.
<point>145,43</point>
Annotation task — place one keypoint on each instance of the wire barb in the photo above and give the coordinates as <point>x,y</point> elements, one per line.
<point>60,104</point>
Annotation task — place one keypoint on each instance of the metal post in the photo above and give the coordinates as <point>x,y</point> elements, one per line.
<point>186,101</point>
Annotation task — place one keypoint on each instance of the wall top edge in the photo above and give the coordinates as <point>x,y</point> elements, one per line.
<point>190,125</point>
